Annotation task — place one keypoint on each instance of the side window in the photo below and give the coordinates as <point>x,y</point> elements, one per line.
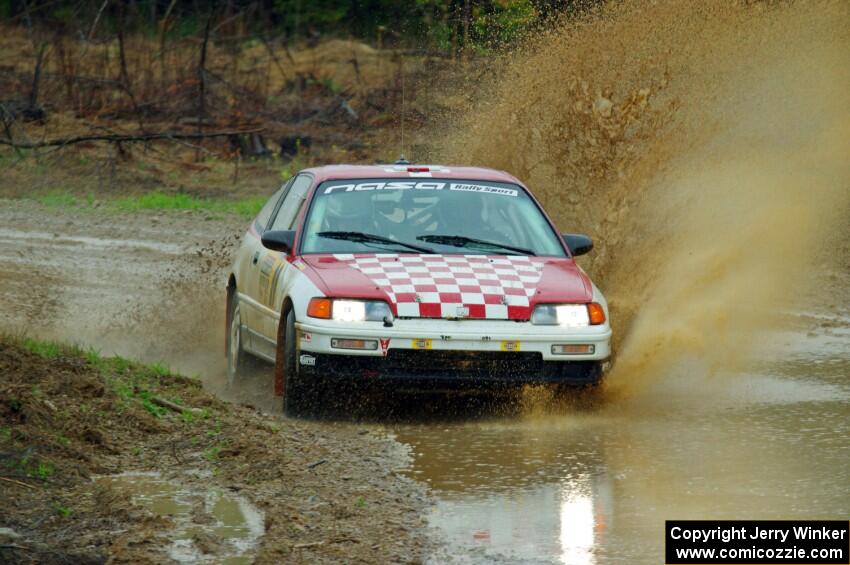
<point>292,203</point>
<point>266,212</point>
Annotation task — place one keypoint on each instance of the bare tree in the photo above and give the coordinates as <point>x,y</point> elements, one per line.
<point>202,80</point>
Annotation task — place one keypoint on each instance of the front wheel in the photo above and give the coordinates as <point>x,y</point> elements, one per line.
<point>294,394</point>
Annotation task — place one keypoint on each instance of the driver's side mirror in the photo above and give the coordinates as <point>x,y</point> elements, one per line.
<point>279,240</point>
<point>579,244</point>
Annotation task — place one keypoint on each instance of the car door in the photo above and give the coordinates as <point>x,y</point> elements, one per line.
<point>272,265</point>
<point>247,262</point>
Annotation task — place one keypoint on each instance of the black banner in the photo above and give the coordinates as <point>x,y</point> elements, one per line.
<point>744,542</point>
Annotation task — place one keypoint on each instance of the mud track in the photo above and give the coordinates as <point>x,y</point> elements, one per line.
<point>508,482</point>
<point>150,286</point>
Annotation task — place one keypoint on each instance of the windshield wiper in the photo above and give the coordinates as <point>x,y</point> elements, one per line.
<point>463,241</point>
<point>370,238</point>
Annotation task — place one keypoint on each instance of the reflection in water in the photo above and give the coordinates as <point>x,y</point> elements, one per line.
<point>578,523</point>
<point>587,486</point>
<point>551,519</point>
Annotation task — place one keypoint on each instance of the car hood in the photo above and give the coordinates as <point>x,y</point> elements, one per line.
<point>497,287</point>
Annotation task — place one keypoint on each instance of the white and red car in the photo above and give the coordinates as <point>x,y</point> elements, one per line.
<point>424,276</point>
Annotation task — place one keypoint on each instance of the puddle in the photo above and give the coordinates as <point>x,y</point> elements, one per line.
<point>211,526</point>
<point>595,486</point>
<point>30,237</point>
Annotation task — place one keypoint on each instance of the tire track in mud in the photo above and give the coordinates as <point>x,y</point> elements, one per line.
<point>145,286</point>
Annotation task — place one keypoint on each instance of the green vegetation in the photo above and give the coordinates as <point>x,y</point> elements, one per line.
<point>148,405</point>
<point>27,465</point>
<point>180,201</point>
<point>216,429</point>
<point>160,370</point>
<point>129,381</point>
<point>446,25</point>
<point>246,207</point>
<point>49,349</point>
<point>43,470</point>
<point>58,200</point>
<point>211,453</point>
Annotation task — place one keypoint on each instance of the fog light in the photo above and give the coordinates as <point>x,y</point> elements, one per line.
<point>367,344</point>
<point>573,349</point>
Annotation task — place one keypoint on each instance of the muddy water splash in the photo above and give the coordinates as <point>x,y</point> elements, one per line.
<point>703,146</point>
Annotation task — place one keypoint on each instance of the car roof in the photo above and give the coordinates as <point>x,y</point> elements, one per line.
<point>336,172</point>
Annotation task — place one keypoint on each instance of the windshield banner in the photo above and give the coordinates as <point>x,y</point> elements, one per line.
<point>422,185</point>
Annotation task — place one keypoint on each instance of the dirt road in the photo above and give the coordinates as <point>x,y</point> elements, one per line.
<point>232,484</point>
<point>524,481</point>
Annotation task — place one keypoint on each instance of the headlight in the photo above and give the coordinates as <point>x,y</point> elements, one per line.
<point>568,315</point>
<point>349,310</point>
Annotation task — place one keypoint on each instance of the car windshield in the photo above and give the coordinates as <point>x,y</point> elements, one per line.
<point>433,215</point>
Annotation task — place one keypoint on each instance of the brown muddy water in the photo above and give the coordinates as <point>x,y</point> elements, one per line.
<point>594,485</point>
<point>526,480</point>
<point>228,524</point>
<point>704,146</point>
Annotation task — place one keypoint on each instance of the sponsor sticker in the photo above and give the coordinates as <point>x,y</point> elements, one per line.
<point>418,185</point>
<point>511,346</point>
<point>420,343</point>
<point>308,360</point>
<point>385,345</point>
<point>483,188</point>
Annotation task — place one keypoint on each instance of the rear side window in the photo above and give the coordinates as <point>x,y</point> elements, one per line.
<point>292,203</point>
<point>265,214</point>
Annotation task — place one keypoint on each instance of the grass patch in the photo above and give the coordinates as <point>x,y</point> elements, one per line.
<point>147,404</point>
<point>57,199</point>
<point>159,370</point>
<point>211,453</point>
<point>246,207</point>
<point>130,381</point>
<point>43,470</point>
<point>43,348</point>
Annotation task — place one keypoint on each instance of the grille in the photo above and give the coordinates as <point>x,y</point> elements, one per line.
<point>463,363</point>
<point>457,366</point>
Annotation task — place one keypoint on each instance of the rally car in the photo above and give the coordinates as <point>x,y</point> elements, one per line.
<point>412,276</point>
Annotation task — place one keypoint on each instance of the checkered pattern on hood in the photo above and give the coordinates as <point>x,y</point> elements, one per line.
<point>453,286</point>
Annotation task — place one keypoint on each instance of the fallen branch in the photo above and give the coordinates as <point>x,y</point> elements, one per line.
<point>317,463</point>
<point>306,545</point>
<point>173,405</point>
<point>118,138</point>
<point>14,546</point>
<point>16,482</point>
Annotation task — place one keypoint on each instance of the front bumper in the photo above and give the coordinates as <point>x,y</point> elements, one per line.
<point>454,351</point>
<point>452,369</point>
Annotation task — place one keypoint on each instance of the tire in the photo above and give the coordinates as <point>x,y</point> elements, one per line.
<point>237,358</point>
<point>294,393</point>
